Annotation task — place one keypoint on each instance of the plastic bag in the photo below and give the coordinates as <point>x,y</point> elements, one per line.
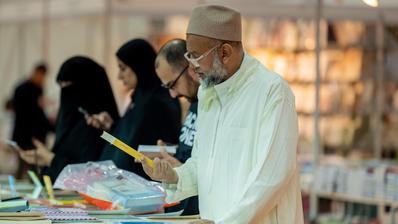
<point>104,181</point>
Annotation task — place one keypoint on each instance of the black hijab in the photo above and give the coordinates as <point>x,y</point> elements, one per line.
<point>140,56</point>
<point>155,115</point>
<point>75,141</point>
<point>89,89</point>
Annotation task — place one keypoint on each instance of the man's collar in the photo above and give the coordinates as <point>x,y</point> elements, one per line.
<point>229,87</point>
<point>225,90</point>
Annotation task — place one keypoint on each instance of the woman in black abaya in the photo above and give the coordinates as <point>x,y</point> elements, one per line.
<point>152,114</point>
<point>83,84</point>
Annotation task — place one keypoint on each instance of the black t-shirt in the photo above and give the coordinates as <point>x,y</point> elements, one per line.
<point>187,134</point>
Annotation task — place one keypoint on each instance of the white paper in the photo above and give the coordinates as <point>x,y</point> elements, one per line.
<point>155,148</point>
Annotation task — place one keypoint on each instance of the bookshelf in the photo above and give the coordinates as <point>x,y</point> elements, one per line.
<point>349,89</point>
<point>342,81</point>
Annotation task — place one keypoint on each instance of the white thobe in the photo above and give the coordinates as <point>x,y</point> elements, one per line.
<point>243,164</point>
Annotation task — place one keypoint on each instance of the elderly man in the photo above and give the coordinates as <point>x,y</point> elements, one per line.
<point>243,164</point>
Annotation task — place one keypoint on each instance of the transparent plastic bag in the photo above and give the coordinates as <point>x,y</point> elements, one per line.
<point>104,181</point>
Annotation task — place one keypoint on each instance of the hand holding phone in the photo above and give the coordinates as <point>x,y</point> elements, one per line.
<point>101,121</point>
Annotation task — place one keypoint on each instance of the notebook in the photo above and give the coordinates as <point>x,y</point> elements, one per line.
<point>27,222</point>
<point>20,216</point>
<point>13,206</point>
<point>64,214</point>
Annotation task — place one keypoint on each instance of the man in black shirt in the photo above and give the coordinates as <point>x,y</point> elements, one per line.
<point>30,119</point>
<point>176,75</point>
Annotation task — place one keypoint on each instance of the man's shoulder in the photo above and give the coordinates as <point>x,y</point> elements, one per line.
<point>263,74</point>
<point>23,88</point>
<point>22,85</point>
<point>265,81</point>
<point>264,78</point>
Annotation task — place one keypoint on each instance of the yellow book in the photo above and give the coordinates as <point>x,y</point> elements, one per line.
<point>125,148</point>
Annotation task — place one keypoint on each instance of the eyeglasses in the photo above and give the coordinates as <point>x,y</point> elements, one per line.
<point>171,84</point>
<point>195,61</point>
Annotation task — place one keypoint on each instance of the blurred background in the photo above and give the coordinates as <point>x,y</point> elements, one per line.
<point>339,56</point>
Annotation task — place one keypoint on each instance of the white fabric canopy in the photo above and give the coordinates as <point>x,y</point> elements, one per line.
<point>10,10</point>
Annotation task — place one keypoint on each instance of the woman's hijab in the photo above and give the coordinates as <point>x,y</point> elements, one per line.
<point>87,87</point>
<point>140,57</point>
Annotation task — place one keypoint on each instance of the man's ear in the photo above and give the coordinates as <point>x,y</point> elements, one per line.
<point>226,53</point>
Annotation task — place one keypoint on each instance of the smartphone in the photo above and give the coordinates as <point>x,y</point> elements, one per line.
<point>83,111</point>
<point>13,144</point>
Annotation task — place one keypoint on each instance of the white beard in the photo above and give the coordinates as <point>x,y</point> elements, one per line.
<point>215,76</point>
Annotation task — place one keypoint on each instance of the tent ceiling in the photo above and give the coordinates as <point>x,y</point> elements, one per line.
<point>21,10</point>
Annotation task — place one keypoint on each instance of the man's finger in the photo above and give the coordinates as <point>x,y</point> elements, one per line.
<point>157,166</point>
<point>144,162</point>
<point>164,153</point>
<point>151,155</point>
<point>160,172</point>
<point>148,170</point>
<point>161,143</point>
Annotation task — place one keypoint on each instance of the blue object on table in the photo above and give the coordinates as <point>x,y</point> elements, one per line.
<point>11,183</point>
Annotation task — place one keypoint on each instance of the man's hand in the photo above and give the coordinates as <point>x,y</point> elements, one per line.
<point>162,171</point>
<point>41,155</point>
<point>166,156</point>
<point>163,155</point>
<point>101,121</point>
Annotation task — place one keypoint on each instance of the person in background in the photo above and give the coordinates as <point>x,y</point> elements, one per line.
<point>28,105</point>
<point>84,84</point>
<point>181,81</point>
<point>244,159</point>
<point>152,113</point>
<point>30,119</point>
